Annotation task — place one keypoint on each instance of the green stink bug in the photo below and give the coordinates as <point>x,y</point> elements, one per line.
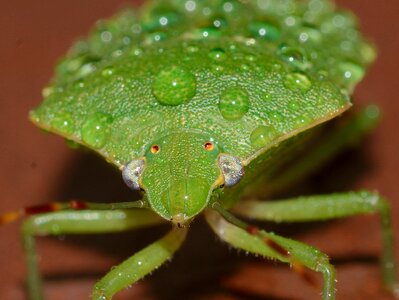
<point>208,103</point>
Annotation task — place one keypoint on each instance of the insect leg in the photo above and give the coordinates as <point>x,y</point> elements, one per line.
<point>76,222</point>
<point>139,265</point>
<point>257,241</point>
<point>332,143</point>
<point>71,205</point>
<point>325,207</point>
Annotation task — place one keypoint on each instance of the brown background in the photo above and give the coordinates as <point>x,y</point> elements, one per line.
<point>38,168</point>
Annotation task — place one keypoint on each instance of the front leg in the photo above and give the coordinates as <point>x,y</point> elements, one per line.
<point>76,222</point>
<point>139,265</point>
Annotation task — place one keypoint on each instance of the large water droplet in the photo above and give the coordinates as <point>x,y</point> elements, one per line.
<point>297,82</point>
<point>263,135</point>
<point>174,86</point>
<point>294,56</point>
<point>96,129</point>
<point>264,30</point>
<point>233,103</point>
<point>63,122</point>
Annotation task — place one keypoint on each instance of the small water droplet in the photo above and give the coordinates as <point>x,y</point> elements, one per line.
<point>174,86</point>
<point>309,34</point>
<point>135,52</point>
<point>263,135</point>
<point>217,54</point>
<point>96,129</point>
<point>233,103</point>
<point>208,32</point>
<point>244,67</point>
<point>190,5</point>
<point>63,122</point>
<point>228,7</point>
<point>294,56</point>
<point>191,49</point>
<point>297,82</point>
<point>160,19</point>
<point>155,37</point>
<point>219,22</point>
<point>352,73</point>
<point>250,57</point>
<point>276,117</point>
<point>217,68</point>
<point>301,121</point>
<point>106,36</point>
<point>108,71</point>
<point>264,30</point>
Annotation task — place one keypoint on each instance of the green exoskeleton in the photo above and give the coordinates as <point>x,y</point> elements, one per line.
<point>201,104</point>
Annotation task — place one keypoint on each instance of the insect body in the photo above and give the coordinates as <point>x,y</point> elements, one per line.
<point>200,103</point>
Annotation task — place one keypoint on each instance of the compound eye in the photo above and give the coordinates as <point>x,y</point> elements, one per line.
<point>131,173</point>
<point>208,146</point>
<point>155,149</point>
<point>231,168</point>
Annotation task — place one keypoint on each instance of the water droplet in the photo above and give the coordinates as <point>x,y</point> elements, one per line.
<point>174,86</point>
<point>309,34</point>
<point>301,121</point>
<point>191,49</point>
<point>217,54</point>
<point>351,72</point>
<point>217,68</point>
<point>267,96</point>
<point>276,117</point>
<point>233,103</point>
<point>155,37</point>
<point>108,71</point>
<point>79,84</point>
<point>96,129</point>
<point>190,5</point>
<point>244,67</point>
<point>208,32</point>
<point>135,52</point>
<point>250,57</point>
<point>160,20</point>
<point>297,82</point>
<point>294,56</point>
<point>106,36</point>
<point>219,22</point>
<point>63,122</point>
<point>263,135</point>
<point>264,30</point>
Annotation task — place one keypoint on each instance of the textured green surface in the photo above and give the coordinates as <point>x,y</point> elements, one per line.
<point>178,65</point>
